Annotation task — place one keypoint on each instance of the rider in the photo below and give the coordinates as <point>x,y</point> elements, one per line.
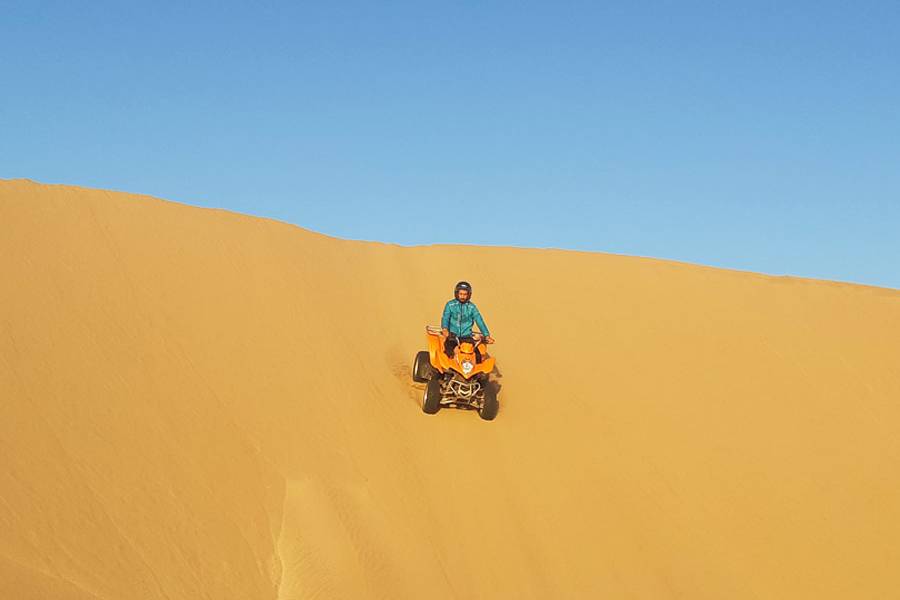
<point>459,316</point>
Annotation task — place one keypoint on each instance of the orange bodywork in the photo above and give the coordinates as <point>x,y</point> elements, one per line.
<point>465,354</point>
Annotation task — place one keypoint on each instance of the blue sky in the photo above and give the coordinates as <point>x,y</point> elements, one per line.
<point>758,135</point>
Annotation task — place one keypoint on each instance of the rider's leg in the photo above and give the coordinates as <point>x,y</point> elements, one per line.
<point>450,345</point>
<point>478,342</point>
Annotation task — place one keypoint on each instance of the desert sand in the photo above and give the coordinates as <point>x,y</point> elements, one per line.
<point>201,404</point>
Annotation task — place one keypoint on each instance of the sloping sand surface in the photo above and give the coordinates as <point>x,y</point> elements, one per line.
<point>200,404</point>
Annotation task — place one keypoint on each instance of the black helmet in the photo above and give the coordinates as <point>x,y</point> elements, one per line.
<point>462,285</point>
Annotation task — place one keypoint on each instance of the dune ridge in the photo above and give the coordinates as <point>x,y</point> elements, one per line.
<point>202,404</point>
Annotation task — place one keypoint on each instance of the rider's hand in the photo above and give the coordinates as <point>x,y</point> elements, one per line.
<point>489,340</point>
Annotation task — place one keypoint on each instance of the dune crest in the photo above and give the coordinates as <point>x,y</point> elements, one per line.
<point>201,404</point>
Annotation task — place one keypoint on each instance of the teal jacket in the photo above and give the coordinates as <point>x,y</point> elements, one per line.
<point>460,316</point>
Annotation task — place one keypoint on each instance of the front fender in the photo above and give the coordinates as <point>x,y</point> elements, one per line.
<point>435,352</point>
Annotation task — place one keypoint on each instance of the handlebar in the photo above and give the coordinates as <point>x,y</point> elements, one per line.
<point>433,330</point>
<point>480,337</point>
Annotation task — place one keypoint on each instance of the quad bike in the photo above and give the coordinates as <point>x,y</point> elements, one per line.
<point>457,382</point>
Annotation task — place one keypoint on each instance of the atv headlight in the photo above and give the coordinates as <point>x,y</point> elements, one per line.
<point>467,367</point>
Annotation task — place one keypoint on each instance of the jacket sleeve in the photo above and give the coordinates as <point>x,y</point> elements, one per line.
<point>481,325</point>
<point>445,318</point>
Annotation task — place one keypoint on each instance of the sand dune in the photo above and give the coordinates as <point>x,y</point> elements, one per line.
<point>201,404</point>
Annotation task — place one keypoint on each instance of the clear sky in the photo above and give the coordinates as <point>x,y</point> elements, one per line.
<point>751,135</point>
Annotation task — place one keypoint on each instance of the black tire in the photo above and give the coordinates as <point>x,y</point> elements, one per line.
<point>491,405</point>
<point>431,400</point>
<point>422,370</point>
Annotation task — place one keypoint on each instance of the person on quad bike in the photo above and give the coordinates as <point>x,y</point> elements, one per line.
<point>459,316</point>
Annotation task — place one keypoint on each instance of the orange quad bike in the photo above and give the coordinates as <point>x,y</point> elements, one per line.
<point>457,382</point>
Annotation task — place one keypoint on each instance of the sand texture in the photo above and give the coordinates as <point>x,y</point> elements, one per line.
<point>200,404</point>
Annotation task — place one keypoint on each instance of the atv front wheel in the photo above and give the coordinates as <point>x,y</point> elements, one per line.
<point>431,401</point>
<point>490,406</point>
<point>422,369</point>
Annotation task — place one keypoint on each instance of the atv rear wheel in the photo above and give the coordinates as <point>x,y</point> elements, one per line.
<point>490,406</point>
<point>422,370</point>
<point>431,401</point>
